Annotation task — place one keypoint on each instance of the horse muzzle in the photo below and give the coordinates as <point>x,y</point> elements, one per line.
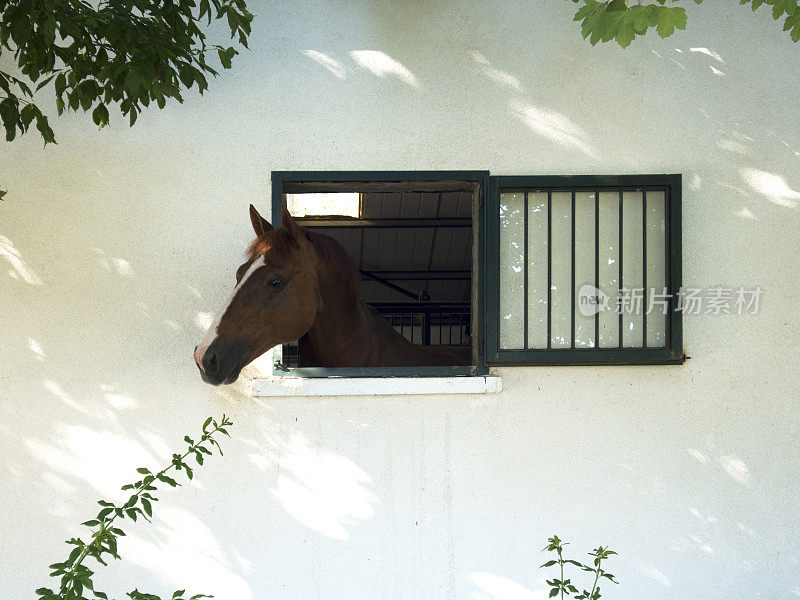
<point>219,365</point>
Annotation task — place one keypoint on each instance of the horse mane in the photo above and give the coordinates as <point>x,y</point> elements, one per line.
<point>331,252</point>
<point>337,259</point>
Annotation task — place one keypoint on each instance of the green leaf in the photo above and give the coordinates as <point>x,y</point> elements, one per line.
<point>224,58</point>
<point>549,563</point>
<point>9,108</point>
<point>132,81</point>
<point>574,562</point>
<point>74,554</point>
<point>27,114</point>
<point>783,6</point>
<point>591,22</point>
<point>669,19</point>
<point>86,98</point>
<point>625,32</point>
<point>61,83</point>
<point>168,480</point>
<point>651,10</point>
<point>553,593</point>
<point>795,26</point>
<point>44,83</point>
<point>609,24</point>
<point>585,10</point>
<point>205,9</point>
<point>44,129</point>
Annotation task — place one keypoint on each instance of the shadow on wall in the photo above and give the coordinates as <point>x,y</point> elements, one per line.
<point>322,490</point>
<point>496,587</point>
<point>743,159</point>
<point>109,385</point>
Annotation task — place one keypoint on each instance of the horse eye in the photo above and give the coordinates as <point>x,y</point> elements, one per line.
<point>276,283</point>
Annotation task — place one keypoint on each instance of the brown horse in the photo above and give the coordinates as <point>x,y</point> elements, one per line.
<point>301,285</point>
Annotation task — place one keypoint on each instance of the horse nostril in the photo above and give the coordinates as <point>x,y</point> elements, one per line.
<point>210,364</point>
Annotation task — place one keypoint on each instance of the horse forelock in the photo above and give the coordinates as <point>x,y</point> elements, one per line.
<point>277,243</point>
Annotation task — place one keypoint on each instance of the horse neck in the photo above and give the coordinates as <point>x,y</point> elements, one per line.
<point>343,329</point>
<point>344,324</point>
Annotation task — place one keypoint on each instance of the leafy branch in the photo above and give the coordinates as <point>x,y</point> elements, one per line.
<point>124,52</point>
<point>75,577</point>
<point>623,20</point>
<point>563,586</point>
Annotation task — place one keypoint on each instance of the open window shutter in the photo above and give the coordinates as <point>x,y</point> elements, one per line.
<point>583,270</point>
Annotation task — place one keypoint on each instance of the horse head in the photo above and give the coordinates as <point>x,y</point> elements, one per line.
<point>275,301</point>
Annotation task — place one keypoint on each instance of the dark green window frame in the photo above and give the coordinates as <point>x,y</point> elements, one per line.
<point>293,180</point>
<point>487,297</point>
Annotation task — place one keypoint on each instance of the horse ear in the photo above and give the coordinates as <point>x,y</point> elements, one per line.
<point>260,225</point>
<point>290,225</point>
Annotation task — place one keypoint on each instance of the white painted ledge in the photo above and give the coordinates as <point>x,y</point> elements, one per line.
<point>374,386</point>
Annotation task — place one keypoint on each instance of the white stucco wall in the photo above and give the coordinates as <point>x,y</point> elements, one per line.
<point>116,243</point>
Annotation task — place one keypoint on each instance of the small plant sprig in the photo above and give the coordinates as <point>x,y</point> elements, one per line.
<point>76,578</point>
<point>565,587</point>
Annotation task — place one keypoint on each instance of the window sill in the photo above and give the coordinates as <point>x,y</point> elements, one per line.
<point>375,386</point>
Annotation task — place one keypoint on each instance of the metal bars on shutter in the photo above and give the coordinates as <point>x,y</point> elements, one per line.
<point>586,270</point>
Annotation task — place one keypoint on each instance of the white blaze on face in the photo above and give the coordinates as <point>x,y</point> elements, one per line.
<point>211,334</point>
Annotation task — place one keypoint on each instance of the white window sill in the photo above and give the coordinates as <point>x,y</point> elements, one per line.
<point>374,386</point>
